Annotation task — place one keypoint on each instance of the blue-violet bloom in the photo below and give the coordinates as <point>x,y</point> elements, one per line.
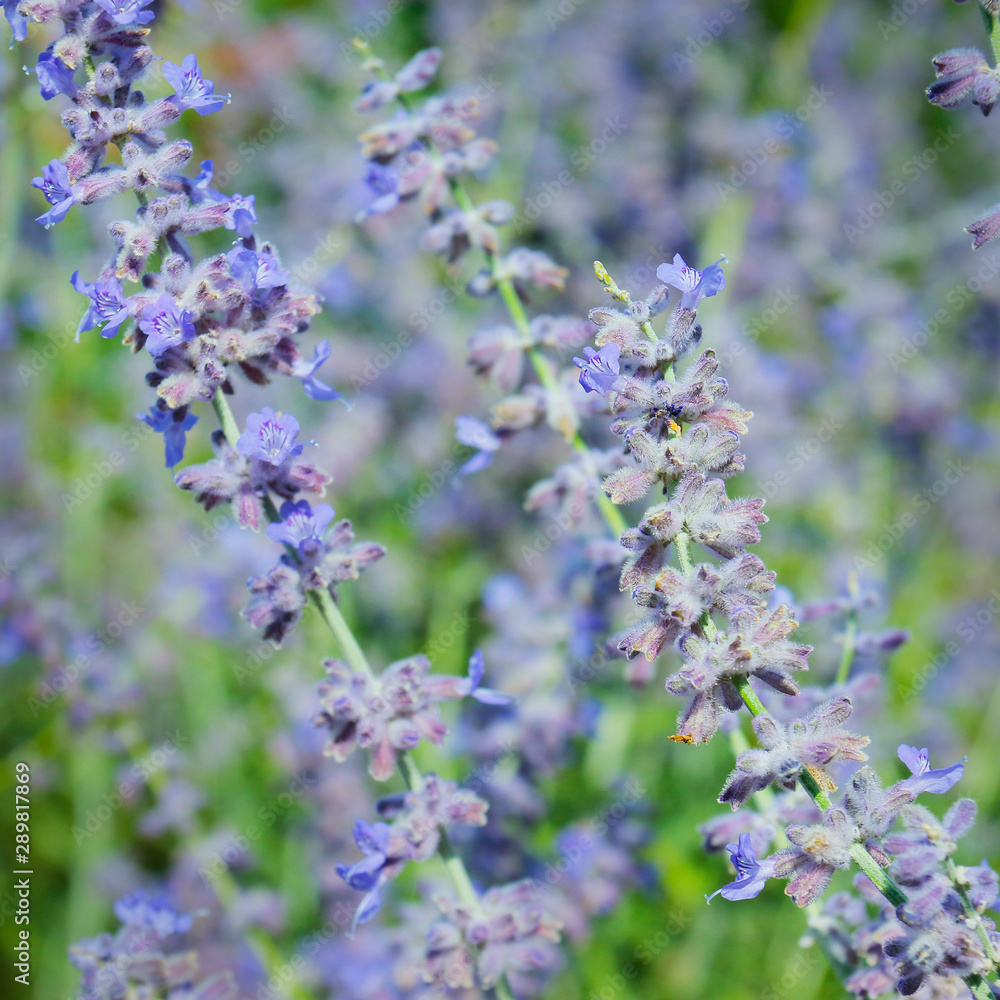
<point>373,840</point>
<point>126,12</point>
<point>694,285</point>
<point>198,189</point>
<point>108,305</point>
<point>301,526</point>
<point>54,184</point>
<point>270,437</point>
<point>487,696</point>
<point>138,909</point>
<point>18,22</point>
<point>925,778</point>
<point>193,90</point>
<point>165,325</point>
<point>174,431</point>
<point>306,370</point>
<point>751,874</point>
<point>476,434</point>
<point>54,76</point>
<point>600,369</point>
<point>256,270</point>
<point>242,215</point>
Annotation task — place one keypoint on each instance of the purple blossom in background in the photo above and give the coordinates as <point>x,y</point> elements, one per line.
<point>364,875</point>
<point>54,184</point>
<point>108,305</point>
<point>165,325</point>
<point>599,369</point>
<point>125,12</point>
<point>301,526</point>
<point>193,90</point>
<point>256,270</point>
<point>487,696</point>
<point>270,437</point>
<point>54,76</point>
<point>242,215</point>
<point>751,874</point>
<point>694,285</point>
<point>474,433</point>
<point>384,183</point>
<point>925,778</point>
<point>198,189</point>
<point>173,425</point>
<point>139,909</point>
<point>18,22</point>
<point>306,370</point>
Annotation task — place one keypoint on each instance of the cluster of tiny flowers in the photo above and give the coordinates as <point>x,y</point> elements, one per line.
<point>136,962</point>
<point>201,321</point>
<point>678,427</point>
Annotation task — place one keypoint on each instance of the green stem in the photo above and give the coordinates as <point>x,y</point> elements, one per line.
<point>850,632</point>
<point>971,913</point>
<point>352,652</point>
<point>992,23</point>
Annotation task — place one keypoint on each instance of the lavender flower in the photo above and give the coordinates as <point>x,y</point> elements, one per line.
<point>54,76</point>
<point>270,437</point>
<point>694,285</point>
<point>108,305</point>
<point>173,425</point>
<point>301,526</point>
<point>128,12</point>
<point>241,215</point>
<point>139,909</point>
<point>751,874</point>
<point>17,21</point>
<point>474,433</point>
<point>165,325</point>
<point>193,90</point>
<point>60,194</point>
<point>599,370</point>
<point>925,778</point>
<point>306,371</point>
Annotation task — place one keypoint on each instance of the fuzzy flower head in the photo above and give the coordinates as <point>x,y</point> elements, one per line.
<point>54,184</point>
<point>599,370</point>
<point>270,437</point>
<point>138,909</point>
<point>108,305</point>
<point>694,285</point>
<point>301,526</point>
<point>925,778</point>
<point>751,874</point>
<point>127,12</point>
<point>166,325</point>
<point>192,89</point>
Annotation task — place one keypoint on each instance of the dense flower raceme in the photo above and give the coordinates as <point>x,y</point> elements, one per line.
<point>679,427</point>
<point>142,959</point>
<point>201,321</point>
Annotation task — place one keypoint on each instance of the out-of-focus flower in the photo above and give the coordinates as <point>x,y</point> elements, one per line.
<point>476,434</point>
<point>173,425</point>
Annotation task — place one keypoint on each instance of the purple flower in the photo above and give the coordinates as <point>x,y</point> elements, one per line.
<point>364,875</point>
<point>198,189</point>
<point>751,874</point>
<point>600,369</point>
<point>54,184</point>
<point>242,215</point>
<point>165,325</point>
<point>925,778</point>
<point>476,434</point>
<point>107,305</point>
<point>18,22</point>
<point>138,909</point>
<point>54,76</point>
<point>694,285</point>
<point>256,270</point>
<point>173,425</point>
<point>270,437</point>
<point>487,696</point>
<point>125,12</point>
<point>301,526</point>
<point>306,370</point>
<point>384,183</point>
<point>193,90</point>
